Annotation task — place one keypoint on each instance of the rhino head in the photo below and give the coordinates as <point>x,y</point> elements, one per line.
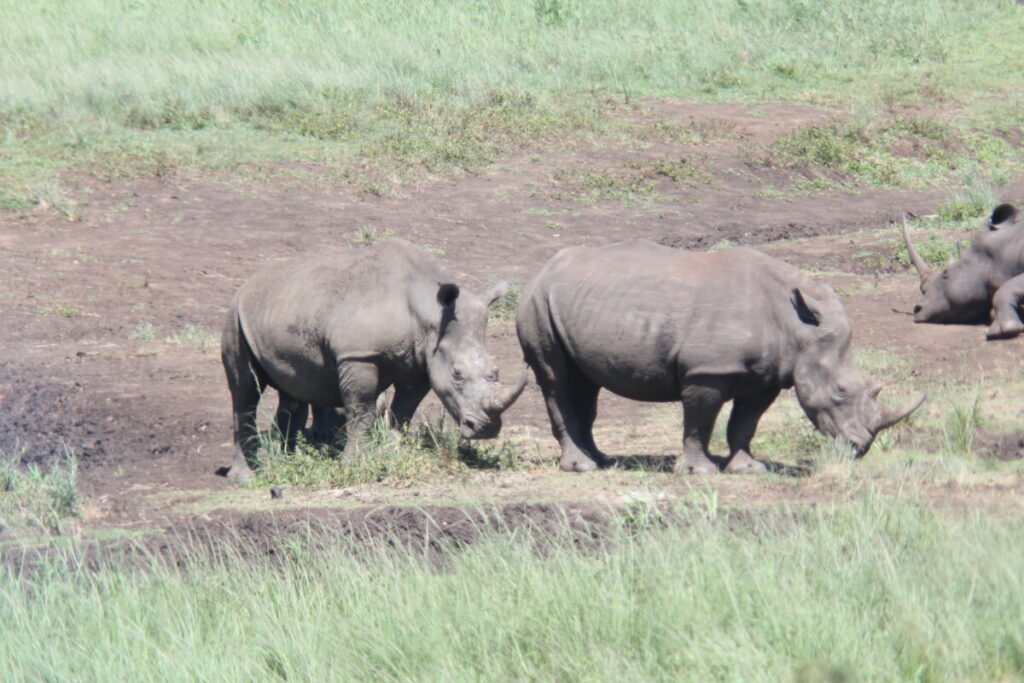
<point>962,291</point>
<point>462,373</point>
<point>829,386</point>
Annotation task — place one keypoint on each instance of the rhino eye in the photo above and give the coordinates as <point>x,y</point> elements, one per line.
<point>840,393</point>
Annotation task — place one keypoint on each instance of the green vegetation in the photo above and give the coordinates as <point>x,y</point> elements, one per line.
<point>36,496</point>
<point>416,88</point>
<point>384,454</point>
<point>144,331</point>
<point>504,309</point>
<point>192,335</point>
<point>876,590</point>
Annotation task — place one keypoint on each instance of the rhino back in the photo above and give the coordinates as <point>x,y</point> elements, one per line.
<point>640,319</point>
<point>304,317</point>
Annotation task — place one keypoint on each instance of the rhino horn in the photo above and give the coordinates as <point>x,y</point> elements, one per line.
<point>874,391</point>
<point>891,416</point>
<point>922,268</point>
<point>503,398</point>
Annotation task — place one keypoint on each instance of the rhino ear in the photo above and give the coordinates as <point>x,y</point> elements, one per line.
<point>498,290</point>
<point>447,293</point>
<point>1001,214</point>
<point>808,309</point>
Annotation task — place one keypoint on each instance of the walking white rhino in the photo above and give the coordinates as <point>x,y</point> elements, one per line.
<point>340,327</point>
<point>652,323</point>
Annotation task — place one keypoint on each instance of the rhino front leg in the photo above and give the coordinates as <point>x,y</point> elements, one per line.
<point>359,384</point>
<point>559,389</point>
<point>1006,321</point>
<point>746,413</point>
<point>407,399</point>
<point>701,405</point>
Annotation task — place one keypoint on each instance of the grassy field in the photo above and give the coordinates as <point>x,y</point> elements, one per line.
<point>886,579</point>
<point>876,590</point>
<point>401,90</point>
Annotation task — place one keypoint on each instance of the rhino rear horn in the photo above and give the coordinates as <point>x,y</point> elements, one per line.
<point>505,397</point>
<point>891,416</point>
<point>922,268</point>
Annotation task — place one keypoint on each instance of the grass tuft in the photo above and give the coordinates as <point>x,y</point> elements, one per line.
<point>34,496</point>
<point>384,455</point>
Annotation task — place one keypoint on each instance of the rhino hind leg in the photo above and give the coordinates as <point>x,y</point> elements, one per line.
<point>571,402</point>
<point>746,413</point>
<point>701,405</point>
<point>246,384</point>
<point>1006,322</point>
<point>290,418</point>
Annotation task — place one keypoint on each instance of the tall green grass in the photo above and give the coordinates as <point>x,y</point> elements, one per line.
<point>875,591</point>
<point>137,86</point>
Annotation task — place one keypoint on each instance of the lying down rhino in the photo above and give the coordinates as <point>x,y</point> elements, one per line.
<point>338,328</point>
<point>652,323</point>
<point>985,285</point>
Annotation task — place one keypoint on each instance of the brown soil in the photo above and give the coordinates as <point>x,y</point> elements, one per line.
<point>150,419</point>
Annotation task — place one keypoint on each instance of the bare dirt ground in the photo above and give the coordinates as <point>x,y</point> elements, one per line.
<point>109,335</point>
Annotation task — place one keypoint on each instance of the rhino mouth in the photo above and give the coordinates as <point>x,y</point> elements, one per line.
<point>474,428</point>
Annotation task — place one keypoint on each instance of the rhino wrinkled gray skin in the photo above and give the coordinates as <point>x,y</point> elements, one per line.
<point>984,285</point>
<point>338,328</point>
<point>652,323</point>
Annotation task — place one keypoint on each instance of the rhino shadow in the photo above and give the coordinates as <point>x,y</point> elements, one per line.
<point>666,463</point>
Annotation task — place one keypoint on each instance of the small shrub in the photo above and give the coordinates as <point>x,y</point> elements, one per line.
<point>961,424</point>
<point>935,251</point>
<point>144,331</point>
<point>976,201</point>
<point>384,455</point>
<point>504,309</point>
<point>193,335</point>
<point>33,496</point>
<point>368,235</point>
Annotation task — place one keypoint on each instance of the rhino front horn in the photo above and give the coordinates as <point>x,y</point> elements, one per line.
<point>891,416</point>
<point>922,268</point>
<point>503,398</point>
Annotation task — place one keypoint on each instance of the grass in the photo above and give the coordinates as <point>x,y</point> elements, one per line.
<point>416,89</point>
<point>190,335</point>
<point>431,450</point>
<point>144,331</point>
<point>504,309</point>
<point>877,590</point>
<point>35,496</point>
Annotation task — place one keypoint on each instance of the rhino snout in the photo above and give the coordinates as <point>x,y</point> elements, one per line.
<point>479,428</point>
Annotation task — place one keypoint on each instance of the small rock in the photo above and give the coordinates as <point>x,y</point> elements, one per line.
<point>276,492</point>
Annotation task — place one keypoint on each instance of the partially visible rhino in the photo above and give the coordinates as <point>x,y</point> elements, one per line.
<point>652,323</point>
<point>338,328</point>
<point>984,285</point>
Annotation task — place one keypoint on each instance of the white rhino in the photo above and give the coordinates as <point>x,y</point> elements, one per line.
<point>338,328</point>
<point>652,323</point>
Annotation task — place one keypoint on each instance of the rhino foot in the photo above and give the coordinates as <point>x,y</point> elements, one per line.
<point>239,474</point>
<point>744,463</point>
<point>696,465</point>
<point>1004,329</point>
<point>580,463</point>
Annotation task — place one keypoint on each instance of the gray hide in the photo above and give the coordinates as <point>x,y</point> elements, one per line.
<point>340,327</point>
<point>652,323</point>
<point>984,285</point>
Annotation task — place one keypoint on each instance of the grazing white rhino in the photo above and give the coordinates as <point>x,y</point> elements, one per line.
<point>338,328</point>
<point>985,285</point>
<point>652,323</point>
